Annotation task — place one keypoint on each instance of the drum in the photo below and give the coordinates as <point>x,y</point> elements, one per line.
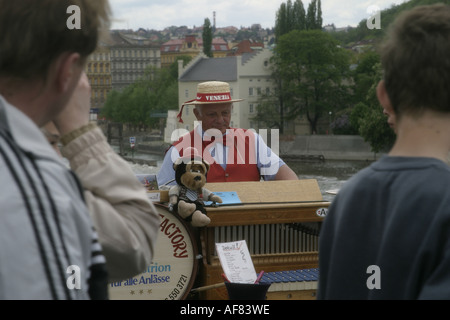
<point>172,273</point>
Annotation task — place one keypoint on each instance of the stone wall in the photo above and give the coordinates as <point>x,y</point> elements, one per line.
<point>330,147</point>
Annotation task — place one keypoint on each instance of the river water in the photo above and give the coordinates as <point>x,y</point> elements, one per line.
<point>330,174</point>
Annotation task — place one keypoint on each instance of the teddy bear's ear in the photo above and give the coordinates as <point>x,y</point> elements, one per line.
<point>177,163</point>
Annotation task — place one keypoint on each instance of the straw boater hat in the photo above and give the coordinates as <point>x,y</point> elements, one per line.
<point>211,92</point>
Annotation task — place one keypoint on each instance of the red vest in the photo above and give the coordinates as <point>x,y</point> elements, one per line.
<point>242,159</point>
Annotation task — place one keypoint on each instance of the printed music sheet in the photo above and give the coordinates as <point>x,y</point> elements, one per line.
<point>236,261</point>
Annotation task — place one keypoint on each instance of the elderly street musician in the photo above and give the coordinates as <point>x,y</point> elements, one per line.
<point>234,154</point>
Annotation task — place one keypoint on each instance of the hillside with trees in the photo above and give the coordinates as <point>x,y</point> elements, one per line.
<point>362,33</point>
<point>365,116</point>
<point>329,75</point>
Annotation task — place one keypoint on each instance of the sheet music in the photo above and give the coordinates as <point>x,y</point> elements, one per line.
<point>236,261</point>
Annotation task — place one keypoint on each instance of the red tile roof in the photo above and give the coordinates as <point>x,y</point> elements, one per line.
<point>218,44</point>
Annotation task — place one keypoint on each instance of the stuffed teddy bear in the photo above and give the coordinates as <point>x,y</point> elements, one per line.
<point>187,196</point>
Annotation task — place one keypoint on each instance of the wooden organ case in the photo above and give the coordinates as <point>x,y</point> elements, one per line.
<point>280,221</point>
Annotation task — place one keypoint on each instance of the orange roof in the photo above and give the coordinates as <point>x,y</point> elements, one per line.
<point>174,45</point>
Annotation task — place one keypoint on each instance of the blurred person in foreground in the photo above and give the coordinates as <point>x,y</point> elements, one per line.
<point>125,219</point>
<point>49,248</point>
<point>386,235</point>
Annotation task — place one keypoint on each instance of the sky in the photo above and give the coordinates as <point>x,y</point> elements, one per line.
<point>159,14</point>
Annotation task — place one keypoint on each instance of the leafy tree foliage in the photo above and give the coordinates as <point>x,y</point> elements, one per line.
<point>368,117</point>
<point>361,32</point>
<point>207,38</point>
<point>314,16</point>
<point>309,69</point>
<point>156,92</point>
<point>367,114</point>
<point>292,16</point>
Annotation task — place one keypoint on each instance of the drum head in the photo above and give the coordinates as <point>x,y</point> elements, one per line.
<point>173,270</point>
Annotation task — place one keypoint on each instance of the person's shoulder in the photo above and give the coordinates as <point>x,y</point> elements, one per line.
<point>357,181</point>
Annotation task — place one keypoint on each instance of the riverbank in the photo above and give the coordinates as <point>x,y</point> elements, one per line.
<point>299,148</point>
<point>328,147</point>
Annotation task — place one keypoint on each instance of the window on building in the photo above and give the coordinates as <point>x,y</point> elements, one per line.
<point>250,108</point>
<point>250,91</point>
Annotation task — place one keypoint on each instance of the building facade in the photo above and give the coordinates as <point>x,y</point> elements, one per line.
<point>245,46</point>
<point>131,57</point>
<point>118,62</point>
<point>98,71</point>
<point>192,46</point>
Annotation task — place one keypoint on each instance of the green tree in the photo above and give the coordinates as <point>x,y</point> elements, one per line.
<point>364,74</point>
<point>155,92</point>
<point>314,15</point>
<point>368,117</point>
<point>299,16</point>
<point>271,107</point>
<point>310,69</point>
<point>281,24</point>
<point>290,16</point>
<point>207,38</point>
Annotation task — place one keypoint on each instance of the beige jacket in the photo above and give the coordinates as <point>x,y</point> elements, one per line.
<point>126,221</point>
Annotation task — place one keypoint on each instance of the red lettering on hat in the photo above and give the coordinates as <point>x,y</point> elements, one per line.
<point>207,97</point>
